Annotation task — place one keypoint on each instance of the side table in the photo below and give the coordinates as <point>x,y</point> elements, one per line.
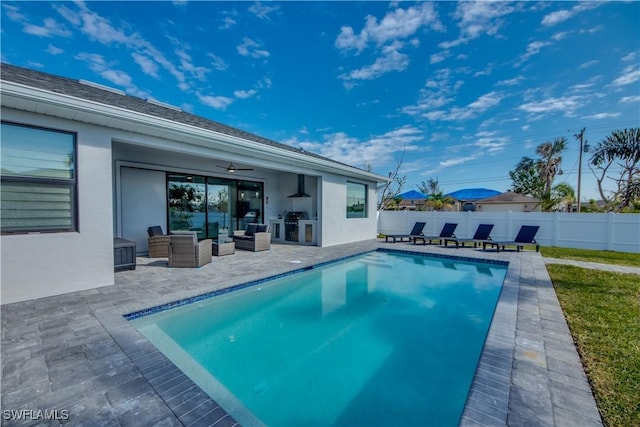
<point>223,248</point>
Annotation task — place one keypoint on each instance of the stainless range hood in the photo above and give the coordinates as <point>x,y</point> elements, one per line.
<point>300,192</point>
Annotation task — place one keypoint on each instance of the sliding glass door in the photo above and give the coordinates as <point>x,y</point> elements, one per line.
<point>186,204</point>
<point>212,207</point>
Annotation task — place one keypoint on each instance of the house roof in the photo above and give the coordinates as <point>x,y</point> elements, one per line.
<point>412,195</point>
<point>473,194</point>
<point>510,197</point>
<point>97,94</point>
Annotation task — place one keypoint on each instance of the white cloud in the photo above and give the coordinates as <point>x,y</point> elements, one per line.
<point>477,18</point>
<point>54,50</point>
<point>217,102</point>
<point>49,28</point>
<point>600,116</point>
<point>532,49</point>
<point>631,75</point>
<point>439,57</point>
<point>395,25</point>
<point>555,18</point>
<point>630,57</point>
<point>376,151</point>
<point>101,30</point>
<point>227,23</point>
<point>217,62</point>
<point>148,66</point>
<point>566,104</point>
<point>630,99</point>
<point>244,94</point>
<point>262,11</point>
<point>251,48</point>
<point>589,64</point>
<point>510,82</point>
<point>391,60</point>
<point>104,69</point>
<point>456,161</point>
<point>387,36</point>
<point>474,109</point>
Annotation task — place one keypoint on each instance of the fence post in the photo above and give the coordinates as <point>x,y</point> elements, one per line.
<point>556,228</point>
<point>610,228</point>
<point>509,225</point>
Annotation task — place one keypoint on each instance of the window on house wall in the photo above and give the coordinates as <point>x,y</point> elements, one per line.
<point>39,180</point>
<point>356,200</point>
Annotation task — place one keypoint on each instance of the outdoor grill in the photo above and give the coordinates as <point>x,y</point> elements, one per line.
<point>291,225</point>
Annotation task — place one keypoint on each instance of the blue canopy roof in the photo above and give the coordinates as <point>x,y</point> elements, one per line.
<point>412,195</point>
<point>473,194</point>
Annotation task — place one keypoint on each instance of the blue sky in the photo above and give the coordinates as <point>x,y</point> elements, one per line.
<point>465,89</point>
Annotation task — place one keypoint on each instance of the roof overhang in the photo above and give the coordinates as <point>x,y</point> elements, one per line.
<point>27,98</point>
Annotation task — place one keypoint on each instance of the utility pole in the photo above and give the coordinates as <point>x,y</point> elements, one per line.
<point>580,137</point>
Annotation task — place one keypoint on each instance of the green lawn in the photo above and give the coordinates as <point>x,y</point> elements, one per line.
<point>603,312</point>
<point>605,257</point>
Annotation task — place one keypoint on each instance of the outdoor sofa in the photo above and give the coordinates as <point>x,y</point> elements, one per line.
<point>255,238</point>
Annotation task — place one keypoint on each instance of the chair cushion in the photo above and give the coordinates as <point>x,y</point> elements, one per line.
<point>262,228</point>
<point>156,230</point>
<point>251,229</point>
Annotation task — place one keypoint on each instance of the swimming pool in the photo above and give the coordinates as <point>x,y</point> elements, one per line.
<point>384,338</point>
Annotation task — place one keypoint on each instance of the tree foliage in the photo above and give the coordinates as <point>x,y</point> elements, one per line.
<point>436,199</point>
<point>526,178</point>
<point>621,148</point>
<point>534,177</point>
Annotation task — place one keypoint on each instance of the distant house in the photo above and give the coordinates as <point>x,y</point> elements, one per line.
<point>509,201</point>
<point>466,199</point>
<point>413,200</point>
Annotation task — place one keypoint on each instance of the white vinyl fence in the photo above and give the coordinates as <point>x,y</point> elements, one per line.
<point>607,231</point>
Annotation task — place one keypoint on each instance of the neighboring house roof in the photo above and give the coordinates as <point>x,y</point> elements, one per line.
<point>473,194</point>
<point>111,97</point>
<point>510,197</point>
<point>412,195</point>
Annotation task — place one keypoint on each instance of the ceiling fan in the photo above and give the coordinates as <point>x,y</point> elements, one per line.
<point>231,168</point>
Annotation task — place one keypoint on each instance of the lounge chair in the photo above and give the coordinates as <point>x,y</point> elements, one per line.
<point>526,236</point>
<point>447,231</point>
<point>482,233</point>
<point>186,251</point>
<point>415,232</point>
<point>255,238</point>
<point>158,242</point>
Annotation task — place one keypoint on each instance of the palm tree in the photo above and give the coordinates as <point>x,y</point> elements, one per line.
<point>625,147</point>
<point>549,164</point>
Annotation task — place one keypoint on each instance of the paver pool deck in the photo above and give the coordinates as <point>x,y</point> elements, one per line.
<point>75,352</point>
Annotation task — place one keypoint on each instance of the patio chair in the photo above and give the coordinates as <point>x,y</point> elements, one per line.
<point>186,251</point>
<point>447,231</point>
<point>526,236</point>
<point>482,233</point>
<point>415,232</point>
<point>255,238</point>
<point>158,242</point>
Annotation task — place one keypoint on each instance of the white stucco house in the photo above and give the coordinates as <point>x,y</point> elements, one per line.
<point>83,164</point>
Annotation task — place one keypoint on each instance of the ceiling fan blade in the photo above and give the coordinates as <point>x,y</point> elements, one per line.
<point>231,168</point>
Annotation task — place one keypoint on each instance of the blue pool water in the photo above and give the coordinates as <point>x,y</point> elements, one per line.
<point>382,339</point>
